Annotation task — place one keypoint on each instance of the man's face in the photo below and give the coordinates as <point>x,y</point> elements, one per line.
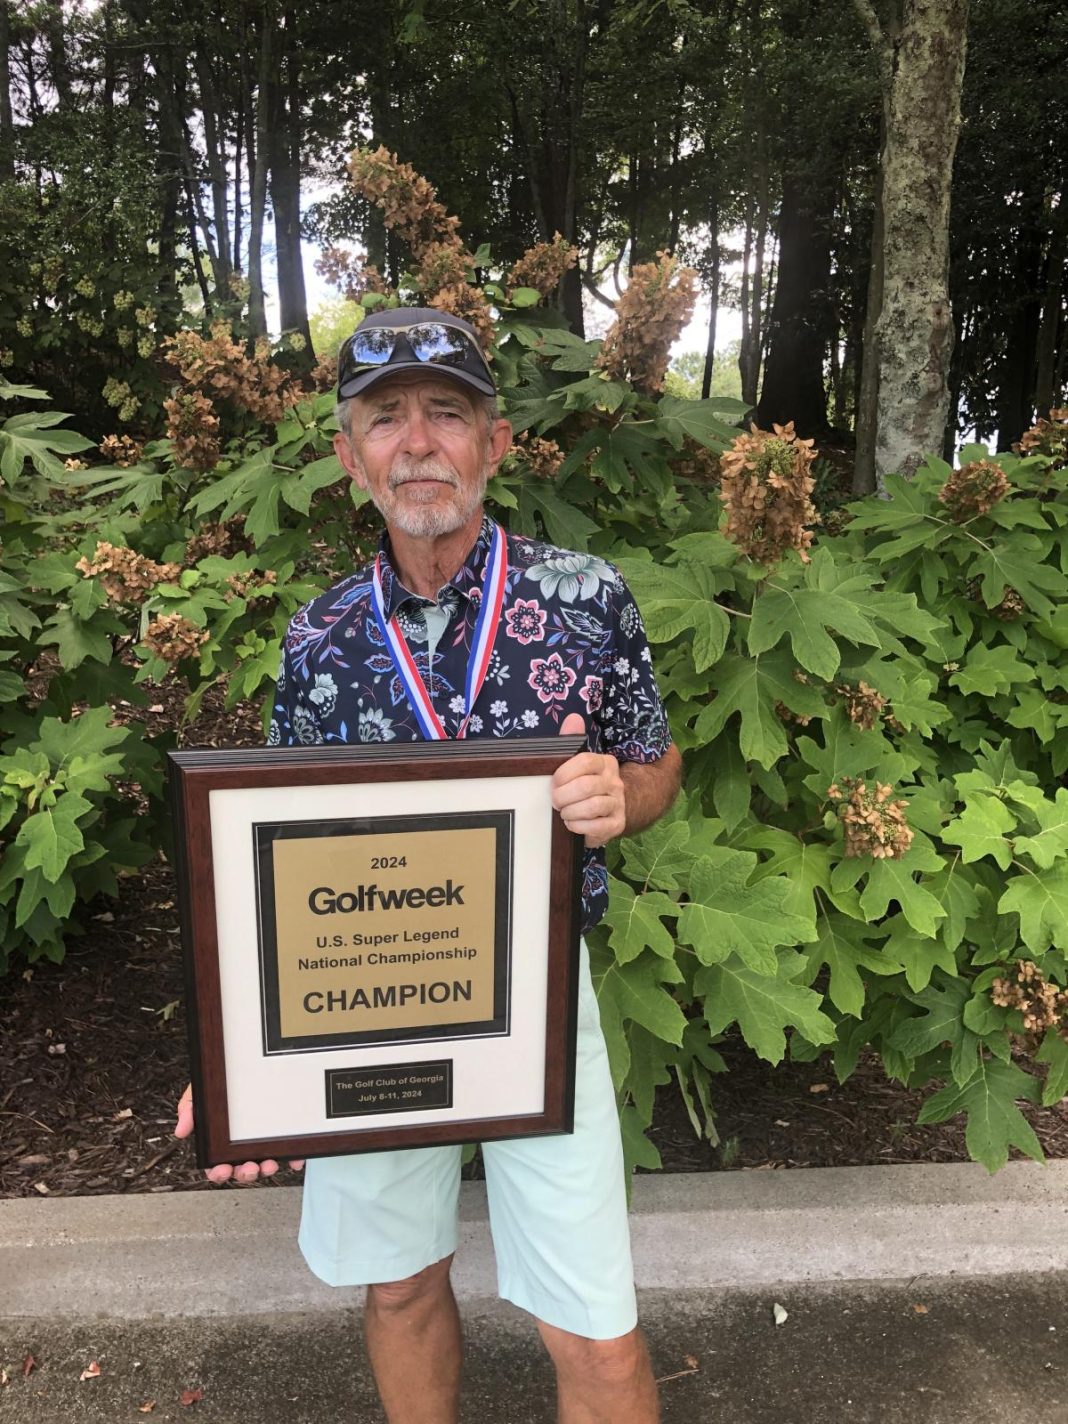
<point>422,450</point>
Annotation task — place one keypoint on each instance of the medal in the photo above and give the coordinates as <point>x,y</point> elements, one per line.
<point>489,615</point>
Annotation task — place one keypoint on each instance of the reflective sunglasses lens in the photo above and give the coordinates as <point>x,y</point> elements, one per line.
<point>435,342</point>
<point>373,347</point>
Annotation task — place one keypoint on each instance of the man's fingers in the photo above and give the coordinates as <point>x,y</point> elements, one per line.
<point>572,725</point>
<point>184,1126</point>
<point>585,788</point>
<point>220,1174</point>
<point>298,1166</point>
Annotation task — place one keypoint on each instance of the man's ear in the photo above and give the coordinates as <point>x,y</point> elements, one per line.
<point>500,441</point>
<point>350,461</point>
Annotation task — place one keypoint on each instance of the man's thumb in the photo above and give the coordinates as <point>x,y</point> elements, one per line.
<point>572,725</point>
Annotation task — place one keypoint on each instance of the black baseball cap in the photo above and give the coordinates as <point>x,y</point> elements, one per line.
<point>411,339</point>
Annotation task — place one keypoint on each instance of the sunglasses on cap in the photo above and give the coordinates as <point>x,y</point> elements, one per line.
<point>431,342</point>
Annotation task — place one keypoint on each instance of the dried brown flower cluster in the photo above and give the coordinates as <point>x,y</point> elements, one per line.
<point>193,429</point>
<point>323,375</point>
<point>244,585</point>
<point>173,638</point>
<point>122,450</point>
<point>222,369</point>
<point>973,490</point>
<point>874,824</point>
<point>766,488</point>
<point>543,265</point>
<point>864,706</point>
<point>352,275</point>
<point>542,457</point>
<point>1043,1005</point>
<point>221,539</point>
<point>125,575</point>
<point>410,208</point>
<point>1048,437</point>
<point>650,314</point>
<point>408,202</point>
<point>1008,610</point>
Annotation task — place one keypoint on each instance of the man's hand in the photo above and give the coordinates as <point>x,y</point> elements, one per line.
<point>247,1172</point>
<point>588,791</point>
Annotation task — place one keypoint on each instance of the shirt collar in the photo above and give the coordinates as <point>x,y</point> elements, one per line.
<point>466,578</point>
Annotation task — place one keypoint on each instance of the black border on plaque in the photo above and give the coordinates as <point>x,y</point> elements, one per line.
<point>192,777</point>
<point>273,1040</point>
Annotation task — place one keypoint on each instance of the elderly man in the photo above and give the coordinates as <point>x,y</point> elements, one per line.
<point>421,433</point>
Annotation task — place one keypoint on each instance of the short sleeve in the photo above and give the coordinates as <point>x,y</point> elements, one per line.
<point>633,721</point>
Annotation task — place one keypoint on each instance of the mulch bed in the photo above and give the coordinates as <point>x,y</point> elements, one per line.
<point>93,1058</point>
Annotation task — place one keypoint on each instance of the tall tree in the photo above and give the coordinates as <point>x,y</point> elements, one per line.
<point>921,64</point>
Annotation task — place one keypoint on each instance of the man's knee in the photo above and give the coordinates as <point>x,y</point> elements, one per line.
<point>425,1287</point>
<point>616,1361</point>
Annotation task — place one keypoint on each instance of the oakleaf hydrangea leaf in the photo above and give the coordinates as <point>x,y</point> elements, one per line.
<point>725,915</point>
<point>1040,899</point>
<point>981,829</point>
<point>995,1123</point>
<point>763,1006</point>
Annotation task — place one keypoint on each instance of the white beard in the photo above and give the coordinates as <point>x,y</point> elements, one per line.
<point>434,519</point>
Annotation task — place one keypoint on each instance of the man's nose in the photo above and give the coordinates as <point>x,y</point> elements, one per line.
<point>419,434</point>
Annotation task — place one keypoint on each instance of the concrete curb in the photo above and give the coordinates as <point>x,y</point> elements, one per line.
<point>228,1252</point>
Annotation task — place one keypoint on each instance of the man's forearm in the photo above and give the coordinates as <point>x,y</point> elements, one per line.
<point>650,788</point>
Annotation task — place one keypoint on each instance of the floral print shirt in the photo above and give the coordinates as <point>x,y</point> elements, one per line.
<point>570,639</point>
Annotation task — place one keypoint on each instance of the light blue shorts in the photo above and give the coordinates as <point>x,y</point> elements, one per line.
<point>558,1209</point>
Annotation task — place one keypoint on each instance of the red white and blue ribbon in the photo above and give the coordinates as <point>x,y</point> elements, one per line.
<point>494,577</point>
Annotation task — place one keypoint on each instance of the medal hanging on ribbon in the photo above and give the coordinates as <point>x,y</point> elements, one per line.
<point>489,615</point>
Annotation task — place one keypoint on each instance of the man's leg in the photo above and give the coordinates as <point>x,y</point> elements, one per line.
<point>558,1211</point>
<point>413,1340</point>
<point>601,1381</point>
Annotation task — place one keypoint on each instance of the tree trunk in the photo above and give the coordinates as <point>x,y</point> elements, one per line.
<point>914,332</point>
<point>220,187</point>
<point>7,123</point>
<point>793,387</point>
<point>867,400</point>
<point>257,315</point>
<point>753,318</point>
<point>713,300</point>
<point>1053,296</point>
<point>285,197</point>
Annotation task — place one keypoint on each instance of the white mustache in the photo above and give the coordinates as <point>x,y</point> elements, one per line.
<point>407,471</point>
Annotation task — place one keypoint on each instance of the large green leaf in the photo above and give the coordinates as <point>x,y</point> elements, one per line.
<point>726,915</point>
<point>995,1123</point>
<point>981,829</point>
<point>705,421</point>
<point>752,688</point>
<point>51,836</point>
<point>763,1006</point>
<point>844,947</point>
<point>1040,898</point>
<point>636,922</point>
<point>675,599</point>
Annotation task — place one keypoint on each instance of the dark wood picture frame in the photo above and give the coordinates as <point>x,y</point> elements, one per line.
<point>193,775</point>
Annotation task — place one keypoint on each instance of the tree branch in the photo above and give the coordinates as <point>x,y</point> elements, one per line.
<point>884,52</point>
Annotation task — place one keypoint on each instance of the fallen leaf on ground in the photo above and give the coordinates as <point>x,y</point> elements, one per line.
<point>90,1372</point>
<point>122,1113</point>
<point>40,1187</point>
<point>29,1364</point>
<point>191,1396</point>
<point>691,1362</point>
<point>780,1313</point>
<point>54,1048</point>
<point>920,1309</point>
<point>147,1407</point>
<point>819,1087</point>
<point>5,1378</point>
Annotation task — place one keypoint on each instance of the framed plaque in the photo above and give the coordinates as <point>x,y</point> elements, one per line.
<point>381,945</point>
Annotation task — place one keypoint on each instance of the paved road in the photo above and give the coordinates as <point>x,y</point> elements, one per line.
<point>989,1351</point>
